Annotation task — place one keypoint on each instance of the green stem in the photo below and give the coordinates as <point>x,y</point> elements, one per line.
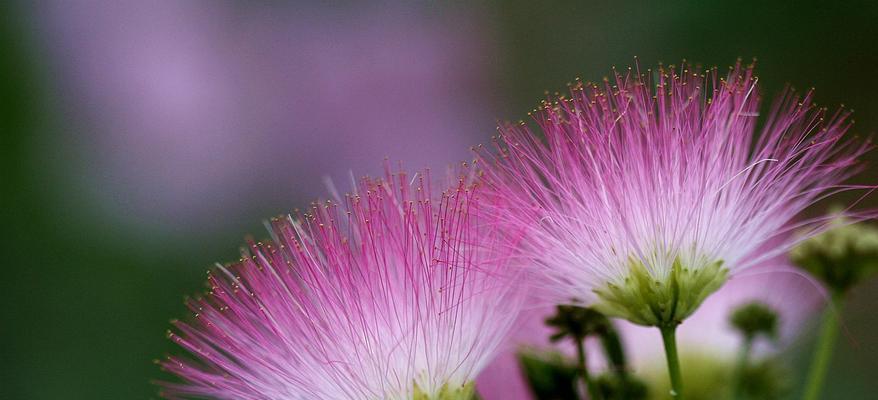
<point>593,393</point>
<point>825,344</point>
<point>743,361</point>
<point>670,340</point>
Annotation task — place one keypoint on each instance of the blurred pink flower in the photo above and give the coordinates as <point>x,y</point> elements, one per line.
<point>188,111</point>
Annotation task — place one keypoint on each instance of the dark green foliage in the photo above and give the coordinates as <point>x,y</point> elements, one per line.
<point>624,387</point>
<point>766,380</point>
<point>577,323</point>
<point>549,376</point>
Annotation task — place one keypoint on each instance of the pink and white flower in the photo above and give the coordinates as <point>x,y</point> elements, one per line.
<point>643,194</point>
<point>390,293</point>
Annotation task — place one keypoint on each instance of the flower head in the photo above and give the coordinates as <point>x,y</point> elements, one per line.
<point>643,194</point>
<point>754,319</point>
<point>390,295</point>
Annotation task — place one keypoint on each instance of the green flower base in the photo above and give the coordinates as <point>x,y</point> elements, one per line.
<point>448,392</point>
<point>645,300</point>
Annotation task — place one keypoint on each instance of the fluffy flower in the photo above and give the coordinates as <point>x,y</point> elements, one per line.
<point>390,295</point>
<point>644,193</point>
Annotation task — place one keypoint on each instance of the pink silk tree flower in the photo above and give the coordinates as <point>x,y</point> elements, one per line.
<point>390,293</point>
<point>643,194</point>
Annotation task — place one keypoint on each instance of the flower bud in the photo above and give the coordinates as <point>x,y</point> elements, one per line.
<point>841,257</point>
<point>754,319</point>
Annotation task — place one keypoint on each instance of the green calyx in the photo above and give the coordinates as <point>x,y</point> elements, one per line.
<point>840,257</point>
<point>448,392</point>
<point>646,300</point>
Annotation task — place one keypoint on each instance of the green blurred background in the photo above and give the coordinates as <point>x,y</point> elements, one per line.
<point>87,296</point>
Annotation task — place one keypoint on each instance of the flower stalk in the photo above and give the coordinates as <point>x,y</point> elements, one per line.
<point>669,338</point>
<point>741,367</point>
